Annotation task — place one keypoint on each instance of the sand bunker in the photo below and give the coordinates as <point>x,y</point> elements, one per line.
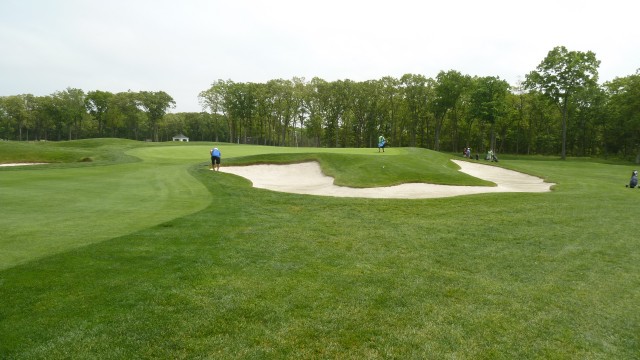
<point>307,178</point>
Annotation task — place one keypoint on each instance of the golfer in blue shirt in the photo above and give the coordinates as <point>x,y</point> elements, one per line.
<point>215,159</point>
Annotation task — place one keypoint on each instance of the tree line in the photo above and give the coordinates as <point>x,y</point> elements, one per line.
<point>73,114</point>
<point>559,108</point>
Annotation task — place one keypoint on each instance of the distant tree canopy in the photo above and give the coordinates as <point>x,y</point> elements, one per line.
<point>72,114</point>
<point>559,109</point>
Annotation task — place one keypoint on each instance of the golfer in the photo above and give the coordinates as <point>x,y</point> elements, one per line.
<point>215,159</point>
<point>381,143</point>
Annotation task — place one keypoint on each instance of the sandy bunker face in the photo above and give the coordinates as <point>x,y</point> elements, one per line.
<point>307,178</point>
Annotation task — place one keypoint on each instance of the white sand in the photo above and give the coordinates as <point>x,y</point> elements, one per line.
<point>307,178</point>
<point>21,164</point>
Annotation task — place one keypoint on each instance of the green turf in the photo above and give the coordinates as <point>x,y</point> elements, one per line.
<point>49,208</point>
<point>260,274</point>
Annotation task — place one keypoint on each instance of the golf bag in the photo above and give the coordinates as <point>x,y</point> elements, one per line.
<point>634,179</point>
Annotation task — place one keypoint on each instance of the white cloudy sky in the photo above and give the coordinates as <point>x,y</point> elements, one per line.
<point>182,46</point>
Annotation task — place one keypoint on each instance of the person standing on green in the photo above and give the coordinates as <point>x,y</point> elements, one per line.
<point>216,155</point>
<point>381,143</point>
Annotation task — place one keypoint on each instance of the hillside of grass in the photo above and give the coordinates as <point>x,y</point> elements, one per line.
<point>61,206</point>
<point>68,152</point>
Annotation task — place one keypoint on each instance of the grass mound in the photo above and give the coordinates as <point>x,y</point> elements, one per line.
<point>90,150</point>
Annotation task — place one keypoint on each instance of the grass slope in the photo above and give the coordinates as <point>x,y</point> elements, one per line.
<point>259,274</point>
<point>54,208</point>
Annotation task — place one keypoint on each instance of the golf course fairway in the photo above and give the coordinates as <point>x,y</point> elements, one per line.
<point>142,252</point>
<point>54,210</point>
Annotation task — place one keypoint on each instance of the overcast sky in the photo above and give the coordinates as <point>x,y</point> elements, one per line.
<point>182,46</point>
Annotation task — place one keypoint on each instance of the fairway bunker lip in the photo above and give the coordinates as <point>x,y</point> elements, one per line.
<point>307,178</point>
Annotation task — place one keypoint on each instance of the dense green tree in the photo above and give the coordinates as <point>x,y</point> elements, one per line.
<point>363,110</point>
<point>313,103</point>
<point>286,106</point>
<point>389,109</point>
<point>18,114</point>
<point>585,125</point>
<point>97,103</point>
<point>155,104</point>
<point>417,94</point>
<point>44,112</point>
<point>545,121</point>
<point>331,102</point>
<point>560,75</point>
<point>123,117</point>
<point>298,107</point>
<point>171,125</point>
<point>4,120</point>
<point>239,102</point>
<point>71,110</point>
<point>488,103</point>
<point>517,112</point>
<point>449,89</point>
<point>264,108</point>
<point>217,100</point>
<point>623,107</point>
<point>14,110</point>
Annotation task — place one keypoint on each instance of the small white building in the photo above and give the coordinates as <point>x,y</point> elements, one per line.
<point>180,137</point>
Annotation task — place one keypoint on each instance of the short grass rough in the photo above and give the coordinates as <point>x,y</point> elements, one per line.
<point>259,274</point>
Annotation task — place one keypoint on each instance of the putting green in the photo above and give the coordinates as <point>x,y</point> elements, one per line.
<point>47,211</point>
<point>200,153</point>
